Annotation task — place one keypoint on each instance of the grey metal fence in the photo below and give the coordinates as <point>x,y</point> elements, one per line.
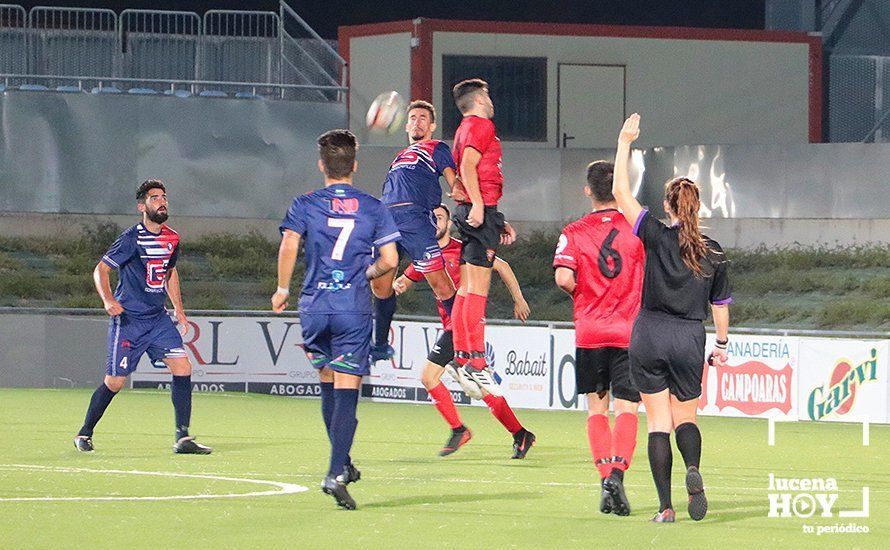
<point>241,46</point>
<point>227,53</point>
<point>77,41</point>
<point>859,98</point>
<point>160,44</point>
<point>13,39</point>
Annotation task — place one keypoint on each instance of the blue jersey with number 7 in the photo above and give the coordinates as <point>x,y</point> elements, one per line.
<point>340,226</point>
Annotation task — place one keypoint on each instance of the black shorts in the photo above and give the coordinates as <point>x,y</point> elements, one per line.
<point>443,351</point>
<point>598,370</point>
<point>480,244</point>
<point>667,352</point>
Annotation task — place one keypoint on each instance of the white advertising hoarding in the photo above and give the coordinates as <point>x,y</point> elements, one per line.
<point>759,380</point>
<point>843,380</point>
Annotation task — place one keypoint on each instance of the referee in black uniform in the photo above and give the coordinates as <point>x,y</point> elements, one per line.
<point>686,273</point>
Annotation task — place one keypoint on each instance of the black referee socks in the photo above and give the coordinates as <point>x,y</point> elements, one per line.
<point>660,461</point>
<point>689,443</point>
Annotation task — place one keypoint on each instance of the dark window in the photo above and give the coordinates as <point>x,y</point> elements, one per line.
<point>518,88</point>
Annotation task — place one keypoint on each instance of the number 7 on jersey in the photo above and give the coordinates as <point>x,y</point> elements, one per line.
<point>346,226</point>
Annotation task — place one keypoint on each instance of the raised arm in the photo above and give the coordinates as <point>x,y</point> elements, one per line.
<point>628,204</point>
<point>520,307</point>
<point>287,257</point>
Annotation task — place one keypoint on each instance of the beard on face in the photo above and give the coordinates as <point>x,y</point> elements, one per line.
<point>440,232</point>
<point>157,216</point>
<point>417,135</point>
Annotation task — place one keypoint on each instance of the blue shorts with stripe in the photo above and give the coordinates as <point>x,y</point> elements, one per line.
<point>129,338</point>
<point>418,229</point>
<point>338,341</point>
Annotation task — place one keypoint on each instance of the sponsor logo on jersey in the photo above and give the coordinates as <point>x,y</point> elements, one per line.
<point>344,206</point>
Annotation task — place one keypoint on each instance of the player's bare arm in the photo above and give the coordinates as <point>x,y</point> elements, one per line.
<point>287,257</point>
<point>520,307</point>
<point>720,312</point>
<point>629,205</point>
<point>388,260</point>
<point>565,279</point>
<point>470,178</point>
<point>175,295</point>
<point>508,237</point>
<point>452,180</point>
<point>402,285</point>
<point>102,280</point>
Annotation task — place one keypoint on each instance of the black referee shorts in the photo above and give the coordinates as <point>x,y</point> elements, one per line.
<point>667,352</point>
<point>480,244</point>
<point>597,370</point>
<point>443,350</point>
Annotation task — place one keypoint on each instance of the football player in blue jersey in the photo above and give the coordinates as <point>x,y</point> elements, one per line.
<point>340,226</point>
<point>411,192</point>
<point>145,257</point>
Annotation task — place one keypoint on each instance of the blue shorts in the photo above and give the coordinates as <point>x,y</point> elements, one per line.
<point>418,228</point>
<point>129,338</point>
<point>338,341</point>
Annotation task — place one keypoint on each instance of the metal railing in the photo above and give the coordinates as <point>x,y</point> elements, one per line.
<point>296,92</point>
<point>865,334</point>
<point>268,54</point>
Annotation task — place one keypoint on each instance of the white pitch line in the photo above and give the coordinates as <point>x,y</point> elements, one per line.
<point>283,488</point>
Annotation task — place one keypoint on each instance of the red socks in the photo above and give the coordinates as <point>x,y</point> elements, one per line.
<point>599,435</point>
<point>624,440</point>
<point>474,323</point>
<point>502,411</point>
<point>458,329</point>
<point>441,398</point>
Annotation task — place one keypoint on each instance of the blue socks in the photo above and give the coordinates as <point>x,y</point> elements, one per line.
<point>342,431</point>
<point>98,403</point>
<point>327,409</point>
<point>181,393</point>
<point>383,311</point>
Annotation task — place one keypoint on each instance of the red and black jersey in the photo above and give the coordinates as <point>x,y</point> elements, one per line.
<point>608,262</point>
<point>451,255</point>
<point>478,133</point>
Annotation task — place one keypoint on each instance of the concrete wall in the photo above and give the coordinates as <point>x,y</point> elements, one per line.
<point>377,64</point>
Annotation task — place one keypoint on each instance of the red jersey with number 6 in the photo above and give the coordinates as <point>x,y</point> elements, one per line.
<point>478,133</point>
<point>607,259</point>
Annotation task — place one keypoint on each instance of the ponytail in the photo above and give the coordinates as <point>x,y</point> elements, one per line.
<point>682,197</point>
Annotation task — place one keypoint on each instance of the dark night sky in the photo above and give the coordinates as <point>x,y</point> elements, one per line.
<point>326,15</point>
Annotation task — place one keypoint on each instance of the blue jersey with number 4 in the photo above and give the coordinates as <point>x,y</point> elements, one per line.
<point>340,226</point>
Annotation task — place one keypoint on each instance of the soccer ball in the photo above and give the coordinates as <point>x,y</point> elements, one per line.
<point>386,113</point>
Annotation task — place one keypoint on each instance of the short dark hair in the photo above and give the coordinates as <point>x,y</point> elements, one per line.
<point>599,180</point>
<point>420,104</point>
<point>465,90</point>
<point>147,186</point>
<point>337,151</point>
<point>445,208</point>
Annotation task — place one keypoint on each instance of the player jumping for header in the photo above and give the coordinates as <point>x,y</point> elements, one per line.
<point>145,257</point>
<point>340,226</point>
<point>440,357</point>
<point>411,192</point>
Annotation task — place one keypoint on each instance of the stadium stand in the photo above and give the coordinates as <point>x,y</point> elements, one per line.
<point>227,53</point>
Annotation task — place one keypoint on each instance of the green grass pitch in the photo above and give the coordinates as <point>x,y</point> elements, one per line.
<point>408,497</point>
